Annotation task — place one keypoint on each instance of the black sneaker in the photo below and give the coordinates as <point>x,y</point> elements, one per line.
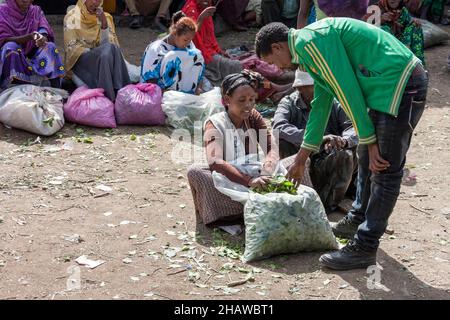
<point>344,228</point>
<point>352,256</point>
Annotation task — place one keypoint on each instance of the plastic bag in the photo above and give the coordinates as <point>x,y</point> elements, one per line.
<point>278,223</point>
<point>139,104</point>
<point>432,34</point>
<point>254,63</point>
<point>35,109</point>
<point>188,111</point>
<point>90,107</point>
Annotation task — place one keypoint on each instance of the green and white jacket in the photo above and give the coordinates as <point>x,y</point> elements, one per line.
<point>357,63</point>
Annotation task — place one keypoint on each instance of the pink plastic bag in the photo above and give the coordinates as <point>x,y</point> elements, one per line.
<point>266,70</point>
<point>140,104</point>
<point>90,107</point>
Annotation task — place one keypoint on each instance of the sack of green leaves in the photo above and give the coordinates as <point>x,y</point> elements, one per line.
<point>279,218</point>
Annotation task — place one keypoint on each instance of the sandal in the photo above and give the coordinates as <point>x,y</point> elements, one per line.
<point>135,23</point>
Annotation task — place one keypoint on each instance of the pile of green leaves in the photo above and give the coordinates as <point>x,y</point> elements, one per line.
<point>277,184</point>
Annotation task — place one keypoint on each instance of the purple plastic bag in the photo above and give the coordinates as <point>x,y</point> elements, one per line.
<point>344,8</point>
<point>140,104</point>
<point>90,107</point>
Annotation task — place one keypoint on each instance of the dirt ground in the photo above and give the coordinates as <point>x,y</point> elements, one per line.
<point>145,230</point>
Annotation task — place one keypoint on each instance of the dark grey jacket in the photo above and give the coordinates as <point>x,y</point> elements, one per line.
<point>292,116</point>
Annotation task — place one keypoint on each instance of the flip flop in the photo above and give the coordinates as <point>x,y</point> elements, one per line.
<point>135,23</point>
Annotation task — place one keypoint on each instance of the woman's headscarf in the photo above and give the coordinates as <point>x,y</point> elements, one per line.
<point>384,6</point>
<point>15,23</point>
<point>205,39</point>
<point>82,30</point>
<point>244,78</point>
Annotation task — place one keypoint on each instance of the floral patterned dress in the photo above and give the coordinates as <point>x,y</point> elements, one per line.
<point>173,68</point>
<point>41,64</point>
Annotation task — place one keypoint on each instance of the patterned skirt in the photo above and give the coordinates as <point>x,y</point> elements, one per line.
<point>44,64</point>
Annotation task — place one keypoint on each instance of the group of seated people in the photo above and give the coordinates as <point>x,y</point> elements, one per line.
<point>189,59</point>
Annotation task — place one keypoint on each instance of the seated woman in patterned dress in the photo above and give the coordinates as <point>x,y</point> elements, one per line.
<point>93,55</point>
<point>247,130</point>
<point>174,63</point>
<point>27,51</point>
<point>396,19</point>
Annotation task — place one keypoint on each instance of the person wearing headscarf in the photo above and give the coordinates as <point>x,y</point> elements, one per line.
<point>230,136</point>
<point>333,168</point>
<point>396,19</point>
<point>174,63</point>
<point>92,48</point>
<point>27,50</point>
<point>218,63</point>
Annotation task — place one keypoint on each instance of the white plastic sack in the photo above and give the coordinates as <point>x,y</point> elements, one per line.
<point>188,111</point>
<point>278,223</point>
<point>34,109</point>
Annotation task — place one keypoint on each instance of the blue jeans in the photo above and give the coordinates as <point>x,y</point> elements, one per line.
<point>377,193</point>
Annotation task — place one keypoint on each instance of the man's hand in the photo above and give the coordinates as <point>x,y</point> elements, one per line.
<point>376,162</point>
<point>259,182</point>
<point>102,18</point>
<point>331,141</point>
<point>297,170</point>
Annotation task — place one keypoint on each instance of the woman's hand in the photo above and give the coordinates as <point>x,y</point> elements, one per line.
<point>102,18</point>
<point>386,17</point>
<point>208,12</point>
<point>259,182</point>
<point>376,162</point>
<point>40,40</point>
<point>269,167</point>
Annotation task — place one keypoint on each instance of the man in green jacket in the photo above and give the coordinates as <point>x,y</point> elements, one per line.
<point>382,87</point>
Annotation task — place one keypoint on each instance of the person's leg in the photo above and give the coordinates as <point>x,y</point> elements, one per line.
<point>271,11</point>
<point>348,226</point>
<point>135,21</point>
<point>394,138</point>
<point>331,175</point>
<point>96,68</point>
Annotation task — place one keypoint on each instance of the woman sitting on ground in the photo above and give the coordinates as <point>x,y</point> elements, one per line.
<point>27,51</point>
<point>396,19</point>
<point>246,129</point>
<point>174,63</point>
<point>92,48</point>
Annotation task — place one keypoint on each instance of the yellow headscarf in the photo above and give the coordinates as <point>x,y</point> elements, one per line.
<point>82,30</point>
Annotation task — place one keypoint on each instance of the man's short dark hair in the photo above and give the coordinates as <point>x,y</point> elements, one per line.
<point>268,35</point>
